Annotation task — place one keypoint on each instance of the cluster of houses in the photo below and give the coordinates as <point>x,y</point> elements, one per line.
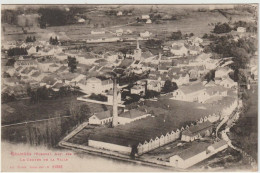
<point>200,92</point>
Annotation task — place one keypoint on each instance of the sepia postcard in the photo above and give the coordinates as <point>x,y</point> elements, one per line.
<point>129,88</point>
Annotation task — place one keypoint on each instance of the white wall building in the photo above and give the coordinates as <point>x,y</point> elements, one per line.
<point>197,153</point>
<point>101,118</point>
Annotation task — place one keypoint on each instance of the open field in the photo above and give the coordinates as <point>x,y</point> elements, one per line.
<point>191,23</point>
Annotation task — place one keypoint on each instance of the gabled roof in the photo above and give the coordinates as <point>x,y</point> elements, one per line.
<point>197,128</point>
<point>61,69</point>
<point>103,115</point>
<point>36,74</point>
<point>147,54</point>
<point>196,148</point>
<point>214,89</point>
<point>106,82</point>
<point>133,113</point>
<point>49,80</point>
<point>192,88</point>
<point>58,85</point>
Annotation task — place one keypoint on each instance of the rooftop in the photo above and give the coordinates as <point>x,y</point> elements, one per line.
<point>197,128</point>
<point>103,115</point>
<point>133,113</point>
<point>164,121</point>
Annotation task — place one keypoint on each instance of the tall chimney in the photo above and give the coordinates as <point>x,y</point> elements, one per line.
<point>115,113</point>
<point>137,44</point>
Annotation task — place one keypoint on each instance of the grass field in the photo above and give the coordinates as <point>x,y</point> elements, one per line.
<point>195,22</point>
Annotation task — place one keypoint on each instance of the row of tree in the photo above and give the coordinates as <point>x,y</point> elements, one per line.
<point>30,39</point>
<point>17,51</point>
<point>54,41</point>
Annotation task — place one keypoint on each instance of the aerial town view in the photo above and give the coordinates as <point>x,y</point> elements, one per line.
<point>168,87</point>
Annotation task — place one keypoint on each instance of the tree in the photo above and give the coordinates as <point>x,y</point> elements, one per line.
<point>124,51</point>
<point>17,51</point>
<point>72,63</point>
<point>176,35</point>
<point>151,94</point>
<point>205,36</point>
<point>210,76</point>
<point>84,113</point>
<point>7,97</point>
<point>222,28</point>
<point>169,86</point>
<point>154,43</point>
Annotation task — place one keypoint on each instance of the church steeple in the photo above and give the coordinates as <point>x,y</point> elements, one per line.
<point>137,51</point>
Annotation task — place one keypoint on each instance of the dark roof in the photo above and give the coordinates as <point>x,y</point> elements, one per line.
<point>49,80</point>
<point>36,74</point>
<point>61,69</point>
<point>19,68</point>
<point>103,115</point>
<point>28,70</point>
<point>133,113</point>
<point>126,62</point>
<point>193,130</point>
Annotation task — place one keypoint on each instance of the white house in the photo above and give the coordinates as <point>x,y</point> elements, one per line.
<point>180,79</point>
<point>222,72</point>
<point>191,93</point>
<point>180,51</point>
<point>97,32</point>
<point>96,86</point>
<point>241,29</point>
<point>32,50</point>
<point>26,63</point>
<point>145,17</point>
<point>145,34</point>
<point>148,21</point>
<point>101,118</point>
<point>196,153</point>
<point>228,83</point>
<point>81,20</point>
<point>154,86</point>
<point>138,89</point>
<point>119,13</point>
